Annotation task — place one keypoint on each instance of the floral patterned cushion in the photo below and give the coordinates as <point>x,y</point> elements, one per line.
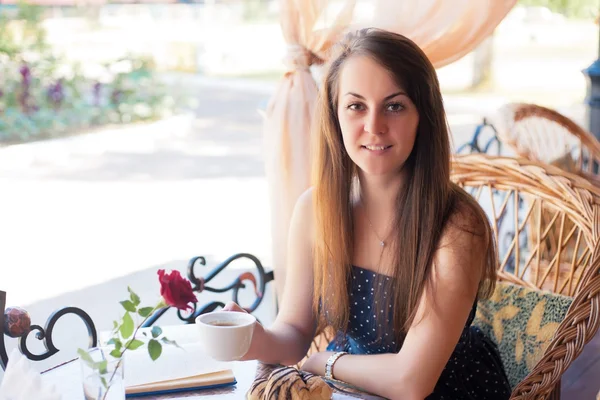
<point>521,322</point>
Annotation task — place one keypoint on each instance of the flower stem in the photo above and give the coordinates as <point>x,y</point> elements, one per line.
<point>160,305</point>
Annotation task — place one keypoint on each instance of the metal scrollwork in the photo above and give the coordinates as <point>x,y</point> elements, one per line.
<point>199,285</point>
<point>45,334</point>
<point>3,355</point>
<point>473,145</point>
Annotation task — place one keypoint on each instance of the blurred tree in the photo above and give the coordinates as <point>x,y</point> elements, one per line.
<point>21,30</point>
<point>42,94</point>
<point>569,8</point>
<point>483,63</point>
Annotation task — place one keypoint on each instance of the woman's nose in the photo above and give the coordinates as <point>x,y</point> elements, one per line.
<point>375,124</point>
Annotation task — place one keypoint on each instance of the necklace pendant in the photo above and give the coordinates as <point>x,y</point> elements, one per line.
<point>382,243</point>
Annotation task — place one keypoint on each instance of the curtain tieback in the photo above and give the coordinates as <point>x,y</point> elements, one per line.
<point>299,57</point>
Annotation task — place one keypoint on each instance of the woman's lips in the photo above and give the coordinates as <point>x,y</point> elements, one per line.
<point>377,149</point>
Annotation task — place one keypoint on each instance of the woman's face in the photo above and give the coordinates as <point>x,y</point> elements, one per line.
<point>378,120</point>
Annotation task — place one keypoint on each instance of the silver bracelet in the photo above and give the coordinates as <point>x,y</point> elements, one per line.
<point>330,361</point>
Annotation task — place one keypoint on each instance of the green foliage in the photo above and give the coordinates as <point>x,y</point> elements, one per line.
<point>145,311</point>
<point>42,95</point>
<point>154,349</point>
<point>127,327</point>
<point>255,10</point>
<point>569,8</point>
<point>125,338</point>
<point>22,31</point>
<point>156,331</point>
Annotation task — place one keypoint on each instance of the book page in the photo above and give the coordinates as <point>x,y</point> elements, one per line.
<point>207,380</point>
<point>174,363</point>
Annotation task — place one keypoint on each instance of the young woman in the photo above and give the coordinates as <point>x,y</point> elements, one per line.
<point>384,248</point>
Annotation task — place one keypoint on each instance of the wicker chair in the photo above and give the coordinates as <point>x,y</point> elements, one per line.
<point>506,183</point>
<point>540,134</point>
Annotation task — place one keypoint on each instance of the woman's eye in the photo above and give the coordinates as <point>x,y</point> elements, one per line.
<point>395,107</point>
<point>355,107</point>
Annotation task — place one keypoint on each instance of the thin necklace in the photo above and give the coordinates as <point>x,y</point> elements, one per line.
<point>381,241</point>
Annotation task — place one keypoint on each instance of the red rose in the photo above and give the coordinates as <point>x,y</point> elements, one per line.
<point>176,290</point>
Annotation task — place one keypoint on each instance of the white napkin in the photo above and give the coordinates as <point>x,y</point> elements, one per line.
<point>22,382</point>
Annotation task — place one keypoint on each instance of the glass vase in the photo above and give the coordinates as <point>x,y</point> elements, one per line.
<point>102,375</point>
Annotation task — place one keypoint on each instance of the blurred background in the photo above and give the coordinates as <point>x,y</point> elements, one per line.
<point>131,134</point>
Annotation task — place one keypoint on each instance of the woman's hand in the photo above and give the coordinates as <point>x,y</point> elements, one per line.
<point>257,337</point>
<point>316,363</point>
<point>233,306</point>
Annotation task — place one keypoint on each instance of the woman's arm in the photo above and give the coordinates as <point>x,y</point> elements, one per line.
<point>287,341</point>
<point>429,343</point>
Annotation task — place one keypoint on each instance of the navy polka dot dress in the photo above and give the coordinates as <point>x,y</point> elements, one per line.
<point>474,370</point>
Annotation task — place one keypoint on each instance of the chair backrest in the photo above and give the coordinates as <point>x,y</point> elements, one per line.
<point>541,134</point>
<point>546,223</point>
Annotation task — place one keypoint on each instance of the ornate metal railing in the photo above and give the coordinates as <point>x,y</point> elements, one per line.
<point>199,285</point>
<point>15,322</point>
<point>473,146</point>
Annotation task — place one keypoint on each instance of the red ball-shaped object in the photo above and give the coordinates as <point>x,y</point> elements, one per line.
<point>17,322</point>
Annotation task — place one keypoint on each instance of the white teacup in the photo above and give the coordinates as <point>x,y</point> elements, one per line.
<point>226,335</point>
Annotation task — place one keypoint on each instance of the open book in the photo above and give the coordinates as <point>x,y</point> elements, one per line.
<point>201,381</point>
<point>176,370</point>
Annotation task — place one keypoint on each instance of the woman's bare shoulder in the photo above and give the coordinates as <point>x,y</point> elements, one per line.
<point>305,203</point>
<point>303,217</point>
<point>306,198</point>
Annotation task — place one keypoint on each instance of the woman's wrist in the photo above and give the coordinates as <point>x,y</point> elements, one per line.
<point>330,363</point>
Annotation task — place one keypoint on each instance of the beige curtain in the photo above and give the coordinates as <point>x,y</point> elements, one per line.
<point>445,29</point>
<point>309,28</point>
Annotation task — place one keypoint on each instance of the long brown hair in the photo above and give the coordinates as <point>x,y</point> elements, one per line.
<point>428,192</point>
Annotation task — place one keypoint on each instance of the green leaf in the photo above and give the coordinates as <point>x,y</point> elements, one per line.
<point>154,349</point>
<point>101,366</point>
<point>115,353</point>
<point>134,297</point>
<point>145,311</point>
<point>134,344</point>
<point>170,342</point>
<point>128,306</point>
<point>85,356</point>
<point>104,382</point>
<point>115,325</point>
<point>127,326</point>
<point>156,331</point>
<point>116,342</point>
